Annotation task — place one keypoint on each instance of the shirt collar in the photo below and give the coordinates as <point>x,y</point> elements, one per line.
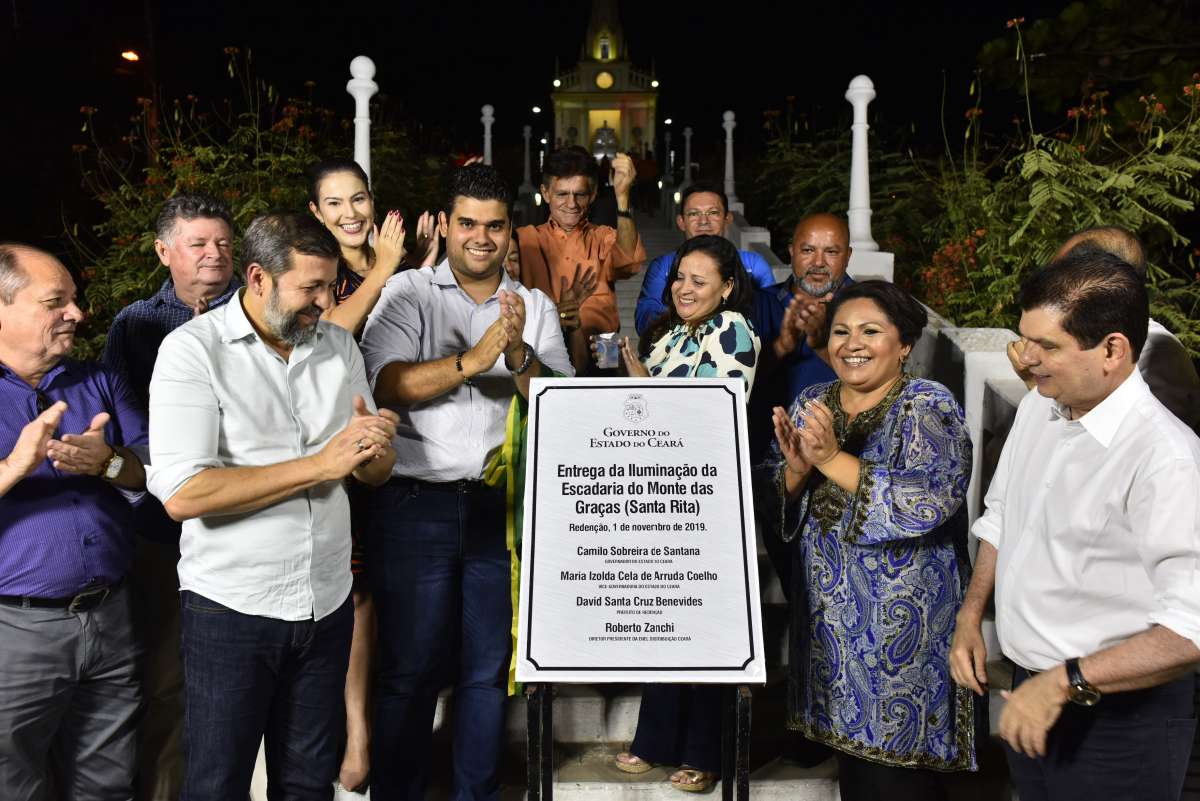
<point>64,366</point>
<point>166,294</point>
<point>444,276</point>
<point>236,325</point>
<point>560,231</point>
<point>1103,421</point>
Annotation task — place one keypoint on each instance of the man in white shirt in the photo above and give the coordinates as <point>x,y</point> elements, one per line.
<point>1091,540</point>
<point>448,347</point>
<point>1164,362</point>
<point>259,412</point>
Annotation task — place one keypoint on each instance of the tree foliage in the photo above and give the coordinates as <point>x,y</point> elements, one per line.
<point>980,220</point>
<point>250,150</point>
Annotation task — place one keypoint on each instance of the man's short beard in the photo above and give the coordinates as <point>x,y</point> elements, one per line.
<point>285,326</point>
<point>817,290</point>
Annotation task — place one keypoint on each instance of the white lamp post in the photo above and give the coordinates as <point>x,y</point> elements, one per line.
<point>729,125</point>
<point>487,119</point>
<point>361,87</point>
<point>860,94</point>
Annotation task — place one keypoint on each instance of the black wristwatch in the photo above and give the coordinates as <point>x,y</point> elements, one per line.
<point>1078,689</point>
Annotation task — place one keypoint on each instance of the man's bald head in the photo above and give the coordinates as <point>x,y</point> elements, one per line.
<point>1112,239</point>
<point>820,251</point>
<point>13,276</point>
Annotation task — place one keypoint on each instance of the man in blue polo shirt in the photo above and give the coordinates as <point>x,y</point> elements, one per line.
<point>69,658</point>
<point>704,209</point>
<point>194,241</point>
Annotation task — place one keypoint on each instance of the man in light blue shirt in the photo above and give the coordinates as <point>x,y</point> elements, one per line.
<point>704,209</point>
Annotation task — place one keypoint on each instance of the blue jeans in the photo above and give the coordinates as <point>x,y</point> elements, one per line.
<point>247,676</point>
<point>439,573</point>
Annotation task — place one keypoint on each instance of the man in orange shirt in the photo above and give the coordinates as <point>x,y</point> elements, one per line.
<point>558,254</point>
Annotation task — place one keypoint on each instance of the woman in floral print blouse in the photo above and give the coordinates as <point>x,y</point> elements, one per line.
<point>868,478</point>
<point>704,332</point>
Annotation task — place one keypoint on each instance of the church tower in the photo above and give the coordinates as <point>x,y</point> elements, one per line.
<point>605,104</point>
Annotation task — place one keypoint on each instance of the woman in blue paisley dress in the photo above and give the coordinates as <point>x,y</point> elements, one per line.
<point>868,477</point>
<point>704,332</point>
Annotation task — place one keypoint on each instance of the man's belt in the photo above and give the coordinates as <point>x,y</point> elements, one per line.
<point>463,486</point>
<point>85,600</point>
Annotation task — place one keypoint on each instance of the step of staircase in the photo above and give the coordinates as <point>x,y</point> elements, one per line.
<point>590,775</point>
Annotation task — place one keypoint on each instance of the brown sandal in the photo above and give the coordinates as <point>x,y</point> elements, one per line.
<point>690,780</point>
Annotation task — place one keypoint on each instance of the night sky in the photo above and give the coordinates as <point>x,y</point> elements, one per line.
<point>440,62</point>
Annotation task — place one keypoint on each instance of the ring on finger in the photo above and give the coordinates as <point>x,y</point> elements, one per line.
<point>360,445</point>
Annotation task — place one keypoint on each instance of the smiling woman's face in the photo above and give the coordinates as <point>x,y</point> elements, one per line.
<point>345,207</point>
<point>698,289</point>
<point>865,347</point>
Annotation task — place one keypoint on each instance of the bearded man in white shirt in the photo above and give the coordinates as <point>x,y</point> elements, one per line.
<point>1091,539</point>
<point>259,413</point>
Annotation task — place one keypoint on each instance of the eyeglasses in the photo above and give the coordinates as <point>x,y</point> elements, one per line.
<point>711,214</point>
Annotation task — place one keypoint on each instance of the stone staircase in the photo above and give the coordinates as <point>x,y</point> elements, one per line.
<point>657,240</point>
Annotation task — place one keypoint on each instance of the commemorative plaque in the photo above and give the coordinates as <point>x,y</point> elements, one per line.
<point>639,561</point>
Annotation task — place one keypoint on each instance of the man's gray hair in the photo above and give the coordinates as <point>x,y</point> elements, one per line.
<point>189,206</point>
<point>13,277</point>
<point>271,238</point>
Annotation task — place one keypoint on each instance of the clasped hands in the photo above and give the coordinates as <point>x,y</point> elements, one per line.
<point>504,336</point>
<point>804,319</point>
<point>365,438</point>
<point>810,444</point>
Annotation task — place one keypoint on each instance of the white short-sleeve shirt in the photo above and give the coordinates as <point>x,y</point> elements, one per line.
<point>220,397</point>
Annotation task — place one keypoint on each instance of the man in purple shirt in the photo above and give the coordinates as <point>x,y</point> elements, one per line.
<point>69,659</point>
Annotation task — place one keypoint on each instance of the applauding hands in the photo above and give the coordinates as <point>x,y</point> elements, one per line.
<point>504,336</point>
<point>366,438</point>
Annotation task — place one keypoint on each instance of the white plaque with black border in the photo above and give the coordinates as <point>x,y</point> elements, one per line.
<point>639,561</point>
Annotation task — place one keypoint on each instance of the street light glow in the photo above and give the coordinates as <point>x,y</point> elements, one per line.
<point>557,83</point>
<point>667,121</point>
<point>131,55</point>
<point>543,141</point>
<point>537,109</point>
<point>654,84</point>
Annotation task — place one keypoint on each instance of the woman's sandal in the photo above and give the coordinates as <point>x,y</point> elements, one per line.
<point>690,780</point>
<point>631,763</point>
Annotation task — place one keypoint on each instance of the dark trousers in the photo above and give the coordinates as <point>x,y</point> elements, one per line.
<point>154,583</point>
<point>69,702</point>
<point>680,724</point>
<point>1130,747</point>
<point>248,678</point>
<point>863,780</point>
<point>439,573</point>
